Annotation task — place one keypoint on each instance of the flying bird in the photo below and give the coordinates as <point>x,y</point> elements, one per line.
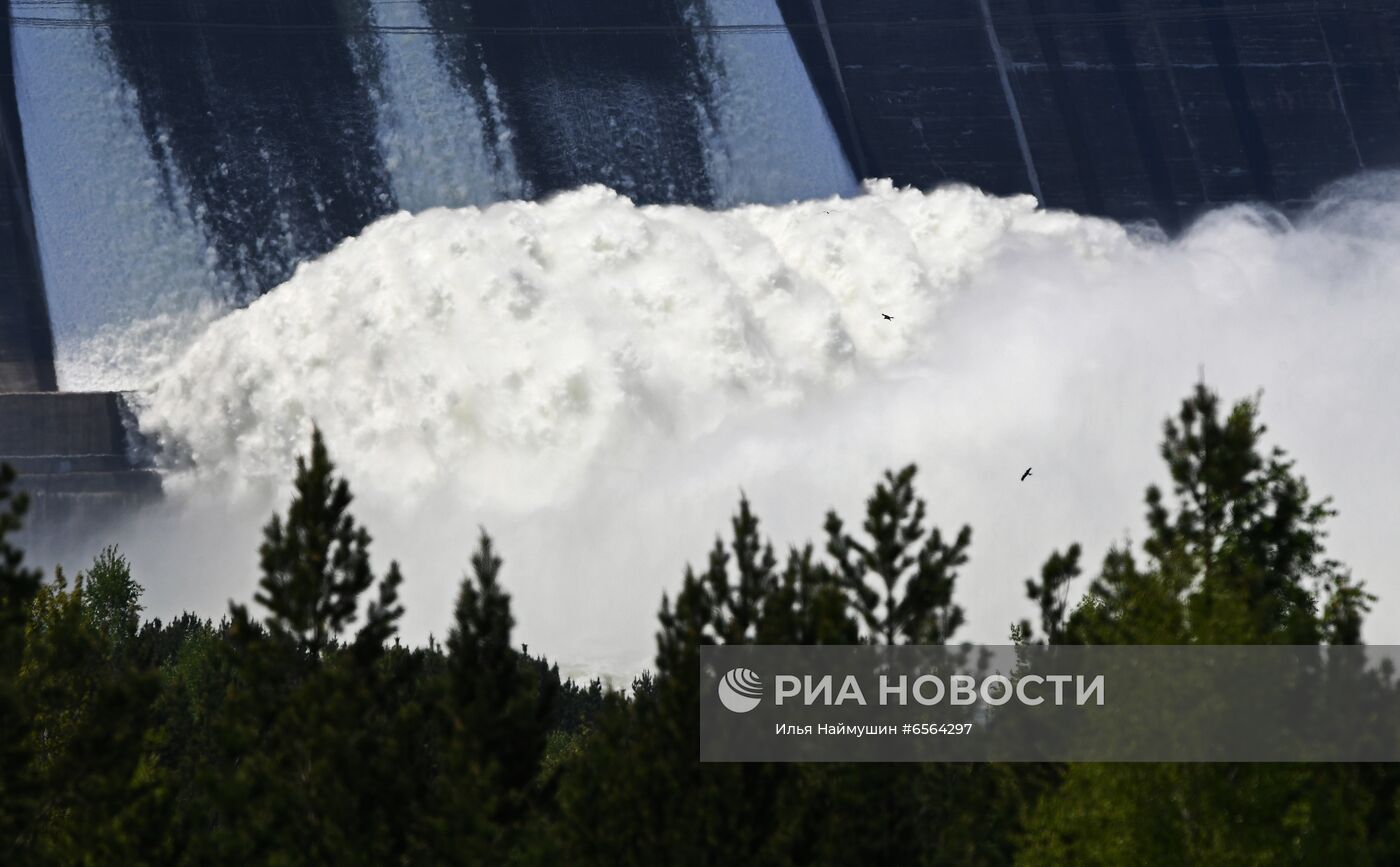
<point>1026,473</point>
<point>887,316</point>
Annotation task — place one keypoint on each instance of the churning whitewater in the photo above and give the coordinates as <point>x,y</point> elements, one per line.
<point>595,382</point>
<point>518,344</point>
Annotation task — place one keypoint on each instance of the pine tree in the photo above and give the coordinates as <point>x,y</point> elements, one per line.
<point>637,794</point>
<point>901,590</point>
<point>316,565</point>
<point>1235,555</point>
<point>310,762</point>
<point>18,587</point>
<point>741,601</point>
<point>497,711</point>
<point>498,703</point>
<point>1050,594</point>
<point>808,605</point>
<point>1238,556</point>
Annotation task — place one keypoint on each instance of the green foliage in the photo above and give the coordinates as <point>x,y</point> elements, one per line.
<point>112,600</point>
<point>636,793</point>
<point>18,586</point>
<point>302,768</point>
<point>1051,593</point>
<point>1235,556</point>
<point>87,737</point>
<point>1203,814</point>
<point>901,590</point>
<point>497,712</point>
<point>295,738</point>
<point>560,749</point>
<point>316,565</point>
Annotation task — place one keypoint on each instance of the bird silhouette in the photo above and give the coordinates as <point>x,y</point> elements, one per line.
<point>1026,473</point>
<point>887,316</point>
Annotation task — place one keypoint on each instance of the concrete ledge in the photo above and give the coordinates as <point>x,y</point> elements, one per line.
<point>50,464</point>
<point>72,514</point>
<point>70,453</point>
<point>44,424</point>
<point>136,483</point>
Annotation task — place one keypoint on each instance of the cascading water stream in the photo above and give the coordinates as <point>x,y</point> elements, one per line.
<point>435,137</point>
<point>771,141</point>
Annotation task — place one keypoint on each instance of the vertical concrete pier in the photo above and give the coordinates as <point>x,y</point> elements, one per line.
<point>71,450</point>
<point>26,344</point>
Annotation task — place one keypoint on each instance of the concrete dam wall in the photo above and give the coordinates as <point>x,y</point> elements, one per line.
<point>26,344</point>
<point>161,158</point>
<point>1132,109</point>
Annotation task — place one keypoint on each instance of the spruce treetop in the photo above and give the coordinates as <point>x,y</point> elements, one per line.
<point>315,563</point>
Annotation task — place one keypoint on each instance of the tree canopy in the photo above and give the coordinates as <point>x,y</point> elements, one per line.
<point>303,731</point>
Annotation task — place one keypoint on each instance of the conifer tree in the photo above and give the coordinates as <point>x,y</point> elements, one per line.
<point>1243,521</point>
<point>18,587</point>
<point>1237,556</point>
<point>637,794</point>
<point>638,779</point>
<point>309,768</point>
<point>899,588</point>
<point>295,738</point>
<point>741,601</point>
<point>1234,555</point>
<point>1050,594</point>
<point>498,711</point>
<point>500,707</point>
<point>316,564</point>
<point>808,605</point>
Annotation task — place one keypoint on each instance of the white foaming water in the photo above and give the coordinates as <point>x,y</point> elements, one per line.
<point>773,142</point>
<point>122,253</point>
<point>434,144</point>
<point>595,382</point>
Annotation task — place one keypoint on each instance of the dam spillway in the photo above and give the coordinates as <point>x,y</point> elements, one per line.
<point>149,175</point>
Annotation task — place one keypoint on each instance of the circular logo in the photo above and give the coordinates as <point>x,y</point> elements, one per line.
<point>740,690</point>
